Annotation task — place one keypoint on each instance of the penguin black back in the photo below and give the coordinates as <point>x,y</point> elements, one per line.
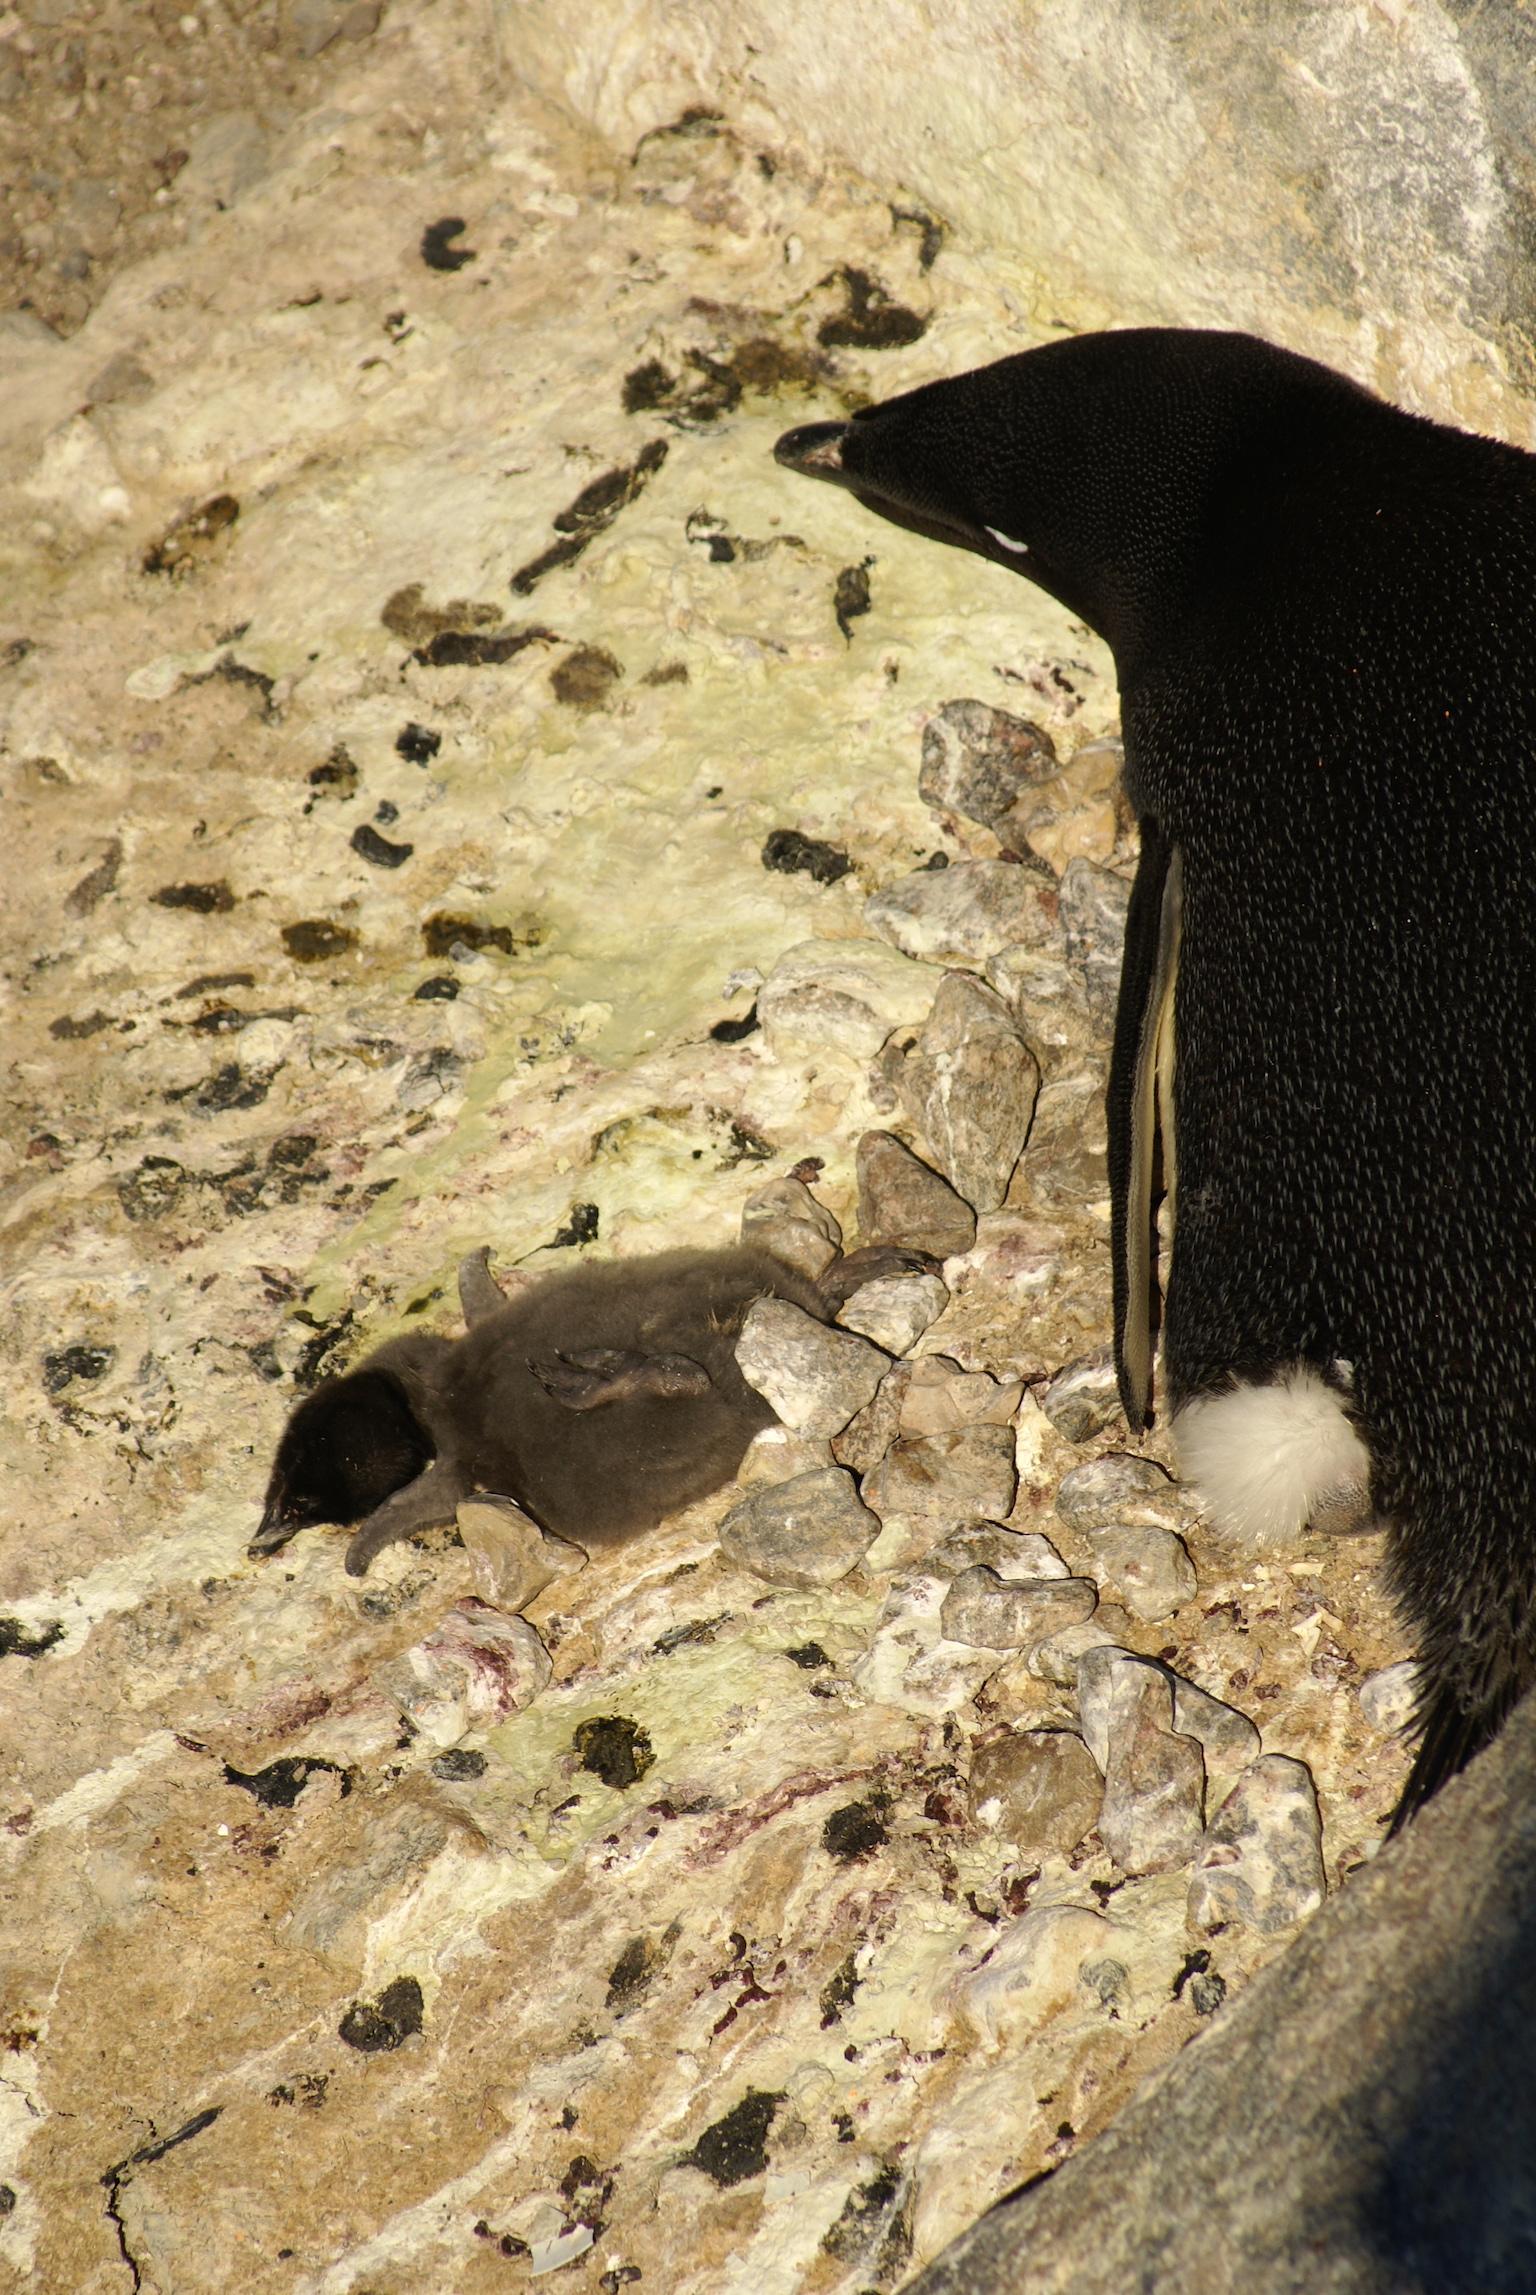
<point>1321,614</point>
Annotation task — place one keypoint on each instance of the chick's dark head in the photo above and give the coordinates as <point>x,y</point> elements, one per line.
<point>346,1448</point>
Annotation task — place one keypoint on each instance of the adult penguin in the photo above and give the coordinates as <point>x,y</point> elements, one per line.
<point>1321,613</point>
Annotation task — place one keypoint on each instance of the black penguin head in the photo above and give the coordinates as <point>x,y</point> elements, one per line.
<point>1093,466</point>
<point>346,1448</point>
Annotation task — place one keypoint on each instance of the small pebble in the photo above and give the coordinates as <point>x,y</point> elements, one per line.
<point>965,913</point>
<point>777,1453</point>
<point>1150,1569</point>
<point>980,761</point>
<point>815,1377</point>
<point>1059,1659</point>
<point>970,1083</point>
<point>1038,1788</point>
<point>1261,1862</point>
<point>1018,1556</point>
<point>1102,1490</point>
<point>1228,1739</point>
<point>994,1613</point>
<point>870,1433</point>
<point>903,1200</point>
<point>808,1531</point>
<point>513,1558</point>
<point>785,1218</point>
<point>1110,1682</point>
<point>896,1310</point>
<point>1387,1698</point>
<point>1083,1399</point>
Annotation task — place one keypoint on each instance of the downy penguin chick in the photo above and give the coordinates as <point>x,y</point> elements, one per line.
<point>1321,613</point>
<point>601,1399</point>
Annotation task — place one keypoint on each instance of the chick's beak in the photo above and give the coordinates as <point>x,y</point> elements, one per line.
<point>275,1528</point>
<point>815,449</point>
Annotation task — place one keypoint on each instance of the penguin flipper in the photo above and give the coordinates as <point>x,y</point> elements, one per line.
<point>871,1263</point>
<point>425,1504</point>
<point>1140,1110</point>
<point>599,1375</point>
<point>1450,1735</point>
<point>480,1295</point>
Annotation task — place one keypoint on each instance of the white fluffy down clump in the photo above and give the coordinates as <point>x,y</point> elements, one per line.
<point>1267,1460</point>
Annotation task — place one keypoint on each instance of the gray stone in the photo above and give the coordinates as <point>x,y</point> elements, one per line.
<point>1081,1400</point>
<point>91,212</point>
<point>895,1310</point>
<point>1387,1698</point>
<point>969,1083</point>
<point>1110,1683</point>
<point>1261,1862</point>
<point>940,1396</point>
<point>1018,1556</point>
<point>122,381</point>
<point>785,1218</point>
<point>993,1613</point>
<point>1038,1788</point>
<point>809,1531</point>
<point>514,1559</point>
<point>869,1434</point>
<point>1152,1816</point>
<point>1060,1659</point>
<point>815,1377</point>
<point>979,761</point>
<point>1103,1489</point>
<point>1149,1568</point>
<point>924,1490</point>
<point>1094,902</point>
<point>965,913</point>
<point>849,994</point>
<point>904,1200</point>
<point>1227,1738</point>
<point>1050,1004</point>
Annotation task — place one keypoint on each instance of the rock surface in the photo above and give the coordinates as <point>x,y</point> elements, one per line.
<point>807,1531</point>
<point>815,1377</point>
<point>904,1200</point>
<point>969,1083</point>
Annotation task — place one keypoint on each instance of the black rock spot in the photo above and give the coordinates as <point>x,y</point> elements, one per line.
<point>480,649</point>
<point>810,1657</point>
<point>203,900</point>
<point>931,231</point>
<point>855,1831</point>
<point>207,982</point>
<point>459,1765</point>
<point>279,1785</point>
<point>70,1363</point>
<point>441,988</point>
<point>585,678</point>
<point>441,934</point>
<point>850,596</point>
<point>191,537</point>
<point>7,2200</point>
<point>367,842</point>
<point>631,1974</point>
<point>792,854</point>
<point>99,881</point>
<point>590,514</point>
<point>745,1146</point>
<point>581,1227</point>
<point>436,253</point>
<point>667,673</point>
<point>870,319</point>
<point>417,744</point>
<point>863,2216</point>
<point>339,772</point>
<point>375,2025</point>
<point>67,1030</point>
<point>317,938</point>
<point>153,1187</point>
<point>406,614</point>
<point>228,1087</point>
<point>735,1031</point>
<point>615,1749</point>
<point>17,1640</point>
<point>837,1993</point>
<point>736,2147</point>
<point>319,1356</point>
<point>308,2091</point>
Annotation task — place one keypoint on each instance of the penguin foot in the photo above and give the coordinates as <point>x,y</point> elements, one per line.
<point>871,1263</point>
<point>617,1374</point>
<point>1268,1460</point>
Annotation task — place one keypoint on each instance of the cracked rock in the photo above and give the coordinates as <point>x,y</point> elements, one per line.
<point>1104,1490</point>
<point>969,1082</point>
<point>994,1613</point>
<point>869,1434</point>
<point>896,1310</point>
<point>980,761</point>
<point>927,1488</point>
<point>1152,1816</point>
<point>1149,1568</point>
<point>846,993</point>
<point>1038,1788</point>
<point>785,1218</point>
<point>1083,1399</point>
<point>903,1200</point>
<point>1261,1861</point>
<point>809,1531</point>
<point>965,913</point>
<point>815,1377</point>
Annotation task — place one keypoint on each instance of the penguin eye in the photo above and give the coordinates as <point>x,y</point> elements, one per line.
<point>1007,542</point>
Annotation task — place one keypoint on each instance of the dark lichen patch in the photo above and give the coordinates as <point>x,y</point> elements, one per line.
<point>838,1991</point>
<point>590,514</point>
<point>279,1785</point>
<point>95,886</point>
<point>228,1087</point>
<point>375,2025</point>
<point>314,939</point>
<point>691,1634</point>
<point>581,1227</point>
<point>856,1830</point>
<point>870,320</point>
<point>7,2200</point>
<point>417,744</point>
<point>338,774</point>
<point>810,1657</point>
<point>931,233</point>
<point>745,1146</point>
<point>214,899</point>
<point>735,1031</point>
<point>207,982</point>
<point>850,596</point>
<point>153,1187</point>
<point>615,1749</point>
<point>17,1640</point>
<point>307,2091</point>
<point>736,2147</point>
<point>792,854</point>
<point>711,387</point>
<point>436,251</point>
<point>438,988</point>
<point>636,1969</point>
<point>480,649</point>
<point>380,851</point>
<point>67,1030</point>
<point>586,677</point>
<point>192,536</point>
<point>667,673</point>
<point>442,934</point>
<point>406,614</point>
<point>460,1765</point>
<point>1207,1990</point>
<point>324,1353</point>
<point>86,1364</point>
<point>864,2216</point>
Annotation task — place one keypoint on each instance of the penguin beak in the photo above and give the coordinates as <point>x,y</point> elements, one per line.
<point>274,1529</point>
<point>816,450</point>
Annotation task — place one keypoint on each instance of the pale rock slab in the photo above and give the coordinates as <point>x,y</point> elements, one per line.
<point>925,1489</point>
<point>1149,1568</point>
<point>777,1454</point>
<point>981,762</point>
<point>1227,1738</point>
<point>1083,1399</point>
<point>1103,1490</point>
<point>969,1082</point>
<point>869,1434</point>
<point>1094,903</point>
<point>940,1397</point>
<point>785,1218</point>
<point>895,1310</point>
<point>1261,1862</point>
<point>1387,1698</point>
<point>808,1531</point>
<point>1152,1816</point>
<point>815,1377</point>
<point>514,1559</point>
<point>989,1612</point>
<point>1018,1556</point>
<point>1033,1971</point>
<point>471,1671</point>
<point>904,1200</point>
<point>846,993</point>
<point>965,913</point>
